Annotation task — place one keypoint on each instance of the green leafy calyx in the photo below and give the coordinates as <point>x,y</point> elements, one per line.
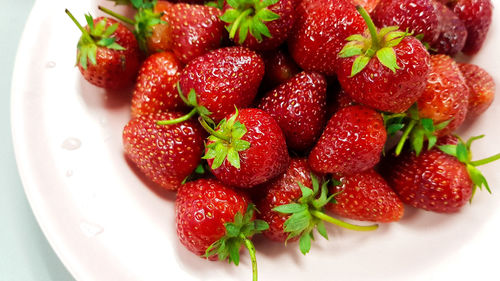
<point>371,44</point>
<point>249,16</point>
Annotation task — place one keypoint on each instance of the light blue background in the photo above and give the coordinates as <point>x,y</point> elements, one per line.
<point>25,254</point>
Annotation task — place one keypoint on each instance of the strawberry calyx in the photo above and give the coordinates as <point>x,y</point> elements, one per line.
<point>415,129</point>
<point>371,44</point>
<point>463,153</point>
<point>307,214</point>
<point>219,4</point>
<point>97,35</point>
<point>238,233</point>
<point>225,141</point>
<point>249,16</point>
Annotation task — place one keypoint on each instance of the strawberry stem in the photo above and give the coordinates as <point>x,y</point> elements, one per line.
<point>237,22</point>
<point>404,137</point>
<point>327,218</point>
<point>180,119</point>
<point>116,15</point>
<point>251,251</point>
<point>212,131</point>
<point>82,29</point>
<point>485,160</point>
<point>370,25</point>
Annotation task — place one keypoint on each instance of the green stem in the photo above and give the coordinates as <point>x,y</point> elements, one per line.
<point>178,120</point>
<point>116,15</point>
<point>370,25</point>
<point>212,131</point>
<point>251,251</point>
<point>405,135</point>
<point>324,217</point>
<point>485,160</point>
<point>85,33</point>
<point>237,22</point>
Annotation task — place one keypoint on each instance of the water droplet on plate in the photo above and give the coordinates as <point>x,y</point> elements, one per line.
<point>71,144</point>
<point>50,64</point>
<point>90,229</point>
<point>69,173</point>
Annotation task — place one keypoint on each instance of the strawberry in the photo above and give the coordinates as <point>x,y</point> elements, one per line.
<point>385,70</point>
<point>453,33</point>
<point>246,149</point>
<point>441,179</point>
<point>223,79</point>
<point>166,154</point>
<point>299,107</point>
<point>418,16</point>
<point>108,55</point>
<point>293,206</point>
<point>259,25</point>
<point>155,89</point>
<point>365,196</point>
<point>351,143</point>
<point>476,15</point>
<point>279,68</point>
<point>481,89</point>
<point>319,33</point>
<point>214,220</point>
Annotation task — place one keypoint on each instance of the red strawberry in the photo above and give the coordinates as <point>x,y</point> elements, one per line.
<point>155,89</point>
<point>293,205</point>
<point>108,55</point>
<point>319,33</point>
<point>418,16</point>
<point>259,25</point>
<point>279,68</point>
<point>254,146</point>
<point>214,220</point>
<point>453,33</point>
<point>365,196</point>
<point>385,70</point>
<point>166,154</point>
<point>481,89</point>
<point>476,15</point>
<point>299,107</point>
<point>440,179</point>
<point>223,79</point>
<point>351,143</point>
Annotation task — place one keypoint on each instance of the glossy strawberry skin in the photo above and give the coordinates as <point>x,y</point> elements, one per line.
<point>477,16</point>
<point>379,87</point>
<point>165,154</point>
<point>351,143</point>
<point>281,191</point>
<point>224,78</point>
<point>367,197</point>
<point>481,89</point>
<point>156,86</point>
<point>201,208</point>
<point>433,181</point>
<point>299,107</point>
<point>279,68</point>
<point>320,31</point>
<point>267,156</point>
<point>191,30</point>
<point>115,69</point>
<point>446,94</point>
<point>453,33</point>
<point>418,16</point>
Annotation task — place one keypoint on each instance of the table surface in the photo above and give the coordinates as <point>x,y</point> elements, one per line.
<point>25,254</point>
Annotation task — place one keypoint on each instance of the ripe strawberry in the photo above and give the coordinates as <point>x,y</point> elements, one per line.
<point>453,33</point>
<point>299,107</point>
<point>386,70</point>
<point>351,143</point>
<point>108,55</point>
<point>441,179</point>
<point>481,89</point>
<point>223,79</point>
<point>155,89</point>
<point>166,154</point>
<point>248,148</point>
<point>259,25</point>
<point>319,33</point>
<point>418,16</point>
<point>293,206</point>
<point>367,197</point>
<point>476,15</point>
<point>214,220</point>
<point>279,68</point>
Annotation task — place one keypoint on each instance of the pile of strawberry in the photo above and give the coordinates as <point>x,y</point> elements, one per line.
<point>263,115</point>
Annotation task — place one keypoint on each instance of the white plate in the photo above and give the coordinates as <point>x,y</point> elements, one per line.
<point>105,223</point>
